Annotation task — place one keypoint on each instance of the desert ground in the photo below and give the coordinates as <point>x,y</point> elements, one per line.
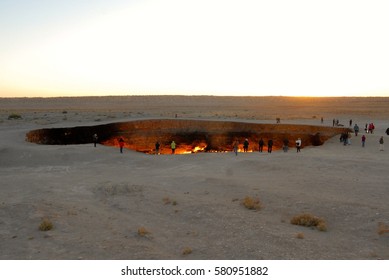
<point>107,205</point>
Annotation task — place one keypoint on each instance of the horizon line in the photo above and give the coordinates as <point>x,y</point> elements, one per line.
<point>192,95</point>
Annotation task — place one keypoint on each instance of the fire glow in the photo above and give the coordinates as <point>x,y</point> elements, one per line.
<point>190,136</point>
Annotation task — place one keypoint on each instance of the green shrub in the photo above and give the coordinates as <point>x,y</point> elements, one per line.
<point>14,117</point>
<point>46,225</point>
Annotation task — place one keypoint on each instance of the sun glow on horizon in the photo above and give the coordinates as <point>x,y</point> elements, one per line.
<point>287,48</point>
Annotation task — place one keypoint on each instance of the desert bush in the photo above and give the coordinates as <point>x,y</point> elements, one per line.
<point>251,203</point>
<point>382,228</point>
<point>46,225</point>
<point>166,200</point>
<point>143,231</point>
<point>14,117</point>
<point>187,251</point>
<point>309,220</point>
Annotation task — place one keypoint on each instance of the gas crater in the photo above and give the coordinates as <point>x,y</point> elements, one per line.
<point>191,136</point>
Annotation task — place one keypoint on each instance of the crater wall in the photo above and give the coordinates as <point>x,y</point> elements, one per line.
<point>189,135</point>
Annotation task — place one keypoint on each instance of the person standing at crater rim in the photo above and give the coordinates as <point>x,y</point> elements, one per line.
<point>246,145</point>
<point>95,139</point>
<point>236,147</point>
<point>298,145</point>
<point>121,144</point>
<point>173,147</point>
<point>286,145</point>
<point>270,146</point>
<point>260,144</point>
<point>157,145</point>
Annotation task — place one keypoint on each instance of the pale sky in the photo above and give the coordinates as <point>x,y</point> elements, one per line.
<point>204,47</point>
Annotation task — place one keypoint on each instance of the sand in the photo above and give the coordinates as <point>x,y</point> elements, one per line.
<point>98,199</point>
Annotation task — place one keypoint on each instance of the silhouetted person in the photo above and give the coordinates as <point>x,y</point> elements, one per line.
<point>121,145</point>
<point>270,146</point>
<point>157,145</point>
<point>95,139</point>
<point>261,143</point>
<point>246,145</point>
<point>285,147</point>
<point>236,147</point>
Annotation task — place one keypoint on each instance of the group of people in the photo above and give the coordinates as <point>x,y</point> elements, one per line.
<point>270,143</point>
<point>261,144</point>
<point>345,138</point>
<point>335,122</point>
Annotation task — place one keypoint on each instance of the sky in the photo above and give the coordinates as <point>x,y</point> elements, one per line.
<point>198,47</point>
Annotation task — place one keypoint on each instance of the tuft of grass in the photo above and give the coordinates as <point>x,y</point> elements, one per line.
<point>143,231</point>
<point>251,203</point>
<point>46,225</point>
<point>309,220</point>
<point>14,117</point>
<point>187,251</point>
<point>382,228</point>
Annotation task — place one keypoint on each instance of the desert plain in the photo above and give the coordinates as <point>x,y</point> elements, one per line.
<point>107,205</point>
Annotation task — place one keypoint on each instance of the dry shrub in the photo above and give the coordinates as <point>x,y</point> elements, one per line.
<point>382,228</point>
<point>166,200</point>
<point>309,220</point>
<point>46,225</point>
<point>187,251</point>
<point>300,235</point>
<point>143,231</point>
<point>251,203</point>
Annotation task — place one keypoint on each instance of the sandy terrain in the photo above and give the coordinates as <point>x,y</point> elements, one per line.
<point>97,198</point>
